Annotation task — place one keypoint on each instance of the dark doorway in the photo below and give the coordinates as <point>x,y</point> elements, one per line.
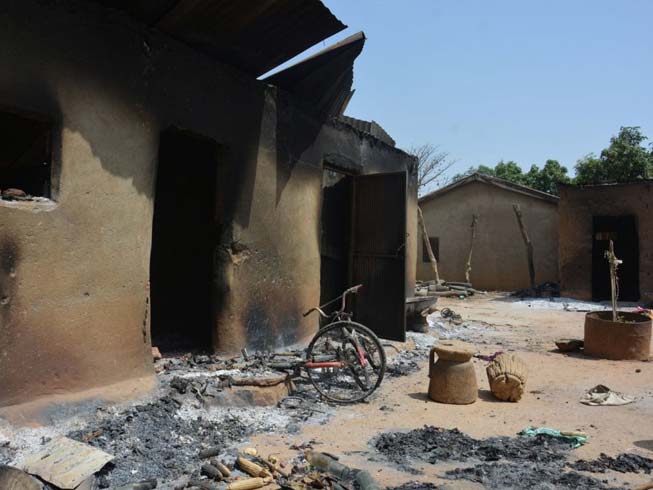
<point>183,238</point>
<point>622,230</point>
<point>335,234</point>
<point>379,253</point>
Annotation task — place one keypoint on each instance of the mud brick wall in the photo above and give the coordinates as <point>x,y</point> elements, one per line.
<point>499,260</point>
<point>74,271</point>
<point>578,205</point>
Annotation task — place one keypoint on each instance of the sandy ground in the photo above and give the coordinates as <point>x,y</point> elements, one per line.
<point>556,382</point>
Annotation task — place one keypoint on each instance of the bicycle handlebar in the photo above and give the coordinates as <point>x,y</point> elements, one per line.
<point>351,290</point>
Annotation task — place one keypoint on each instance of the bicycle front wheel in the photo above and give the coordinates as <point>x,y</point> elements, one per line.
<point>345,362</point>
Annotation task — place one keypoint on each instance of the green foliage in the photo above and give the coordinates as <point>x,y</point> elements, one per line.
<point>509,171</point>
<point>546,179</point>
<point>481,169</point>
<point>625,160</point>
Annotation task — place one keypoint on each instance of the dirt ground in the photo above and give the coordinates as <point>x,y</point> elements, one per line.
<point>556,382</point>
<point>158,435</point>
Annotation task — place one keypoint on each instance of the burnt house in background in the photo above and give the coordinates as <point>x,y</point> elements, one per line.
<point>178,198</point>
<point>591,216</point>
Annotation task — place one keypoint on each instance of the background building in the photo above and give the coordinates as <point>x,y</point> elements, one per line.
<point>499,260</point>
<point>591,216</point>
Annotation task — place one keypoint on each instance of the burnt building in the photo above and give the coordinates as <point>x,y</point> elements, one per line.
<point>591,216</point>
<point>169,196</point>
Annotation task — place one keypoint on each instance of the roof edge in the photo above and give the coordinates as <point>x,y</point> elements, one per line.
<point>608,184</point>
<point>495,181</point>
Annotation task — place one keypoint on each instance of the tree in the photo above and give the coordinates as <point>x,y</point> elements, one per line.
<point>432,164</point>
<point>545,179</point>
<point>625,160</point>
<point>481,169</point>
<point>548,178</point>
<point>509,171</point>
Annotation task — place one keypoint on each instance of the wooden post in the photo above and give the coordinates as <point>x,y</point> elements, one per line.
<point>468,269</point>
<point>527,242</point>
<point>614,280</point>
<point>427,245</point>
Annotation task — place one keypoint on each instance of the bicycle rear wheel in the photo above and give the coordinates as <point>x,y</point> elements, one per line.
<point>345,362</point>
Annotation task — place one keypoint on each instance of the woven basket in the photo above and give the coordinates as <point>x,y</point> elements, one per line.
<point>507,376</point>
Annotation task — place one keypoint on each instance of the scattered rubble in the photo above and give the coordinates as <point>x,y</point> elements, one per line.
<point>536,462</point>
<point>445,289</point>
<point>526,475</point>
<point>623,463</point>
<point>433,444</point>
<point>453,326</point>
<point>565,304</point>
<point>155,440</point>
<point>408,361</point>
<point>415,485</point>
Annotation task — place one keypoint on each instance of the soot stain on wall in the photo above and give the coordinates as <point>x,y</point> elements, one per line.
<point>9,257</point>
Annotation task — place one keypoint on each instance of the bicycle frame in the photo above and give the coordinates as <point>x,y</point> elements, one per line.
<point>341,313</point>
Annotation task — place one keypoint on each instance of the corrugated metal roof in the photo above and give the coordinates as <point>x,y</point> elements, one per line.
<point>253,35</point>
<point>369,127</point>
<point>489,179</point>
<point>323,81</point>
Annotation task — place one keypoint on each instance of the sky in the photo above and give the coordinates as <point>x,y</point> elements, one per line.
<point>502,80</point>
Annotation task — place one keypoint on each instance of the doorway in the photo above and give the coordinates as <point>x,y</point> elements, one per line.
<point>183,240</point>
<point>363,241</point>
<point>335,233</point>
<point>622,230</point>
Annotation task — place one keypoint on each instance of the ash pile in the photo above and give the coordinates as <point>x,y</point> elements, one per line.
<point>538,462</point>
<point>159,440</point>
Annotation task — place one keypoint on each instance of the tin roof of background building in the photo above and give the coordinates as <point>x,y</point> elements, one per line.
<point>254,35</point>
<point>495,181</point>
<point>323,81</point>
<point>607,184</point>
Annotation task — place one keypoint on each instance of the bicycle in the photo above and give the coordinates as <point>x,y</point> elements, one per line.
<point>345,361</point>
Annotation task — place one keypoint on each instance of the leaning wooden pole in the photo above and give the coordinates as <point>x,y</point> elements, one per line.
<point>527,242</point>
<point>468,268</point>
<point>614,280</point>
<point>427,245</point>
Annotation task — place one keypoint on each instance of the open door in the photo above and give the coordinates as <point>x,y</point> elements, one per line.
<point>379,253</point>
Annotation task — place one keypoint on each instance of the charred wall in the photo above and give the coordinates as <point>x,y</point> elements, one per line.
<point>499,258</point>
<point>578,206</point>
<point>275,276</point>
<point>75,270</point>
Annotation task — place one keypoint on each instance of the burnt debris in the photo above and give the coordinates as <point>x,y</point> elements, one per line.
<point>623,463</point>
<point>433,444</point>
<point>530,475</point>
<point>154,441</point>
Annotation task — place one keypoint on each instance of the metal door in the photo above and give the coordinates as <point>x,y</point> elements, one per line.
<point>379,253</point>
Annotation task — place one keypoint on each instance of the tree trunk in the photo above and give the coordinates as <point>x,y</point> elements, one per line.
<point>427,245</point>
<point>468,269</point>
<point>529,245</point>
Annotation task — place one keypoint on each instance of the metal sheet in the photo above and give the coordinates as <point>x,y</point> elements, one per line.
<point>379,253</point>
<point>66,463</point>
<point>255,36</point>
<point>323,81</point>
